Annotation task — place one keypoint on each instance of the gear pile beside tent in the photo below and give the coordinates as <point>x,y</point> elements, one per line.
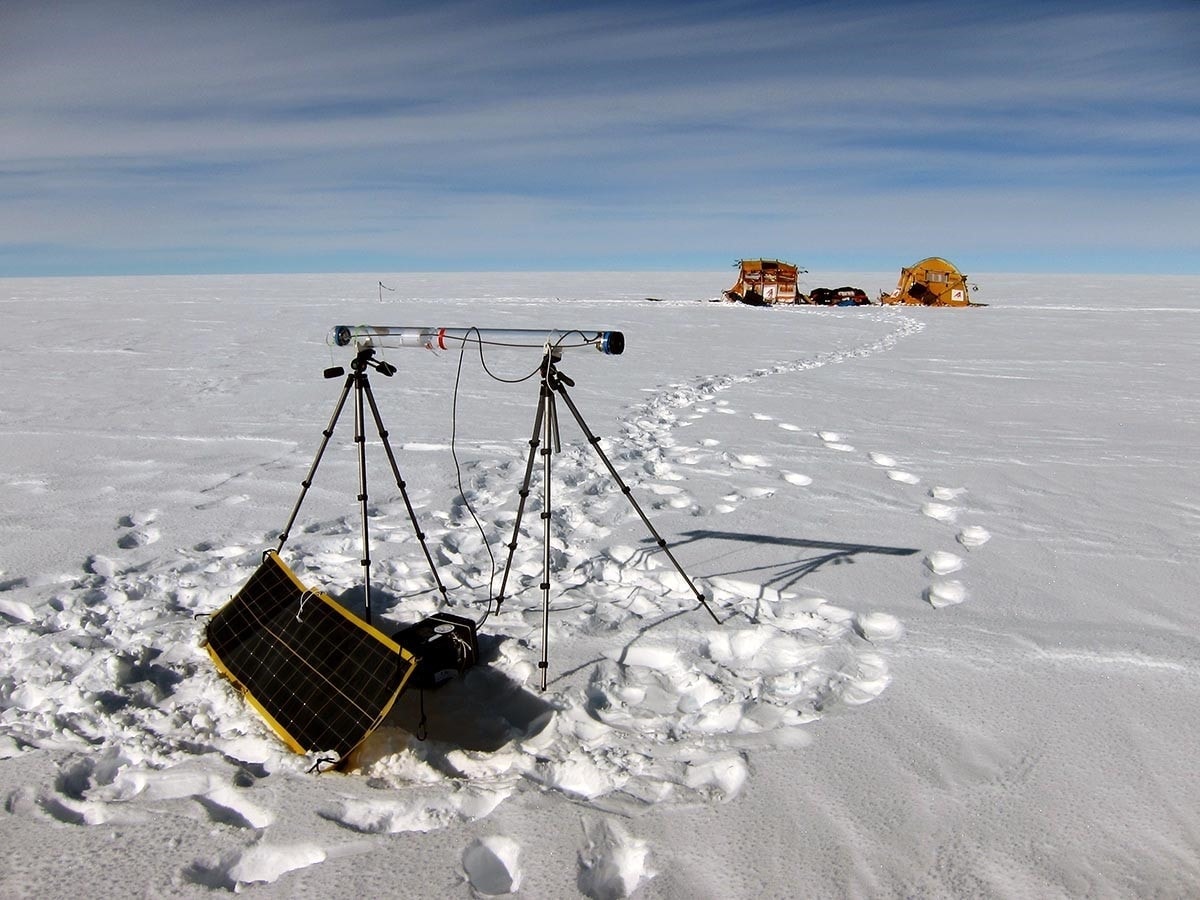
<point>843,296</point>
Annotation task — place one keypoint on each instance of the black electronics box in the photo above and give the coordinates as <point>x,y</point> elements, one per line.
<point>444,645</point>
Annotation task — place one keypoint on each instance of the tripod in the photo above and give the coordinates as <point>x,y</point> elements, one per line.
<point>357,381</point>
<point>545,429</point>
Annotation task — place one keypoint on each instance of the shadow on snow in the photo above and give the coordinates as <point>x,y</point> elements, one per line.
<point>828,553</point>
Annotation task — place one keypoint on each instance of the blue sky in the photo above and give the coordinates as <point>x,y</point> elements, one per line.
<point>160,137</point>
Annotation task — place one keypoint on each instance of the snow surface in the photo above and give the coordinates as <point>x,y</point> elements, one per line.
<point>953,552</point>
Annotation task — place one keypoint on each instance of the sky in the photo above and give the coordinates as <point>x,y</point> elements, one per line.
<point>163,138</point>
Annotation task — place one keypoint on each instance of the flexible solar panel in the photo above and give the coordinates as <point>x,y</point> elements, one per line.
<point>321,677</point>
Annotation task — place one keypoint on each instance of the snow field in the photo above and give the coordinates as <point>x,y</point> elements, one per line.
<point>837,543</point>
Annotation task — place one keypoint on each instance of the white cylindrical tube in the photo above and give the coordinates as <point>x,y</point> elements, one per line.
<point>434,338</point>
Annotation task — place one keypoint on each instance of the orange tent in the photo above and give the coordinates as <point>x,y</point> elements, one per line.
<point>764,282</point>
<point>931,282</point>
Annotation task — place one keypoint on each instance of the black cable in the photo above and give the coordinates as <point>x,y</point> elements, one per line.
<point>462,352</point>
<point>458,476</point>
<point>559,344</point>
<point>322,761</point>
<point>491,374</point>
<point>422,731</point>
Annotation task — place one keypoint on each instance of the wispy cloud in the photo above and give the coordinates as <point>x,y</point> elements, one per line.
<point>171,136</point>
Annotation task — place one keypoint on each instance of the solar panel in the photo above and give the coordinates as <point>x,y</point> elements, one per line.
<point>321,677</point>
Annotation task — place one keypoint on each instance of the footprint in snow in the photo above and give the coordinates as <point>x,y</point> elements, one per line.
<point>18,612</point>
<point>946,493</point>
<point>748,461</point>
<point>973,536</point>
<point>260,864</point>
<point>612,863</point>
<point>212,550</point>
<point>492,865</point>
<point>729,502</point>
<point>879,626</point>
<point>661,490</point>
<point>939,511</point>
<point>100,565</point>
<point>233,500</point>
<point>138,519</point>
<point>139,538</point>
<point>227,806</point>
<point>760,493</point>
<point>834,441</point>
<point>945,593</point>
<point>942,563</point>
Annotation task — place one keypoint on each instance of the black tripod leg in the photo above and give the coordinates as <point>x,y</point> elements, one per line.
<point>549,446</point>
<point>412,515</point>
<point>312,470</point>
<point>595,442</point>
<point>534,441</point>
<point>360,439</point>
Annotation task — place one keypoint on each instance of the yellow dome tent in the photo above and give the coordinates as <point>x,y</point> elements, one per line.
<point>931,282</point>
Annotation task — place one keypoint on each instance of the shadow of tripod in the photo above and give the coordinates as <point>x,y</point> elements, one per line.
<point>357,381</point>
<point>546,436</point>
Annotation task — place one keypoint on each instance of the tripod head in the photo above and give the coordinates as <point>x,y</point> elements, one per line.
<point>364,360</point>
<point>550,369</point>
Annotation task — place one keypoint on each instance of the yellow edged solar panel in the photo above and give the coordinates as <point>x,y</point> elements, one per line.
<point>321,677</point>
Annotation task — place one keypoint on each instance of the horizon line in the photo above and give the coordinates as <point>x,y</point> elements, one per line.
<point>375,273</point>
